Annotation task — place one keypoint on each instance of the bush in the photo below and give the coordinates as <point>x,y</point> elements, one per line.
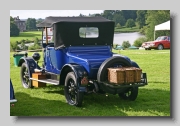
<point>14,31</point>
<point>36,45</point>
<point>28,41</point>
<point>126,44</point>
<point>130,23</point>
<point>143,30</point>
<point>14,46</point>
<point>22,41</point>
<point>138,42</point>
<point>31,47</point>
<point>115,45</point>
<point>36,41</point>
<point>23,46</point>
<point>118,26</point>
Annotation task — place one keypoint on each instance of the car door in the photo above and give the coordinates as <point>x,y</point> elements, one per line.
<point>54,60</point>
<point>166,42</point>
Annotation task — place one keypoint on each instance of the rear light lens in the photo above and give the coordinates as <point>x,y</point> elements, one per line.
<point>84,81</point>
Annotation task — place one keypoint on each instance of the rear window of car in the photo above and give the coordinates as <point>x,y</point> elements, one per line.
<point>162,38</point>
<point>49,35</point>
<point>88,32</point>
<point>168,38</point>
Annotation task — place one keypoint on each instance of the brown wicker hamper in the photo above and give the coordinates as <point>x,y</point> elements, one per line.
<point>124,75</point>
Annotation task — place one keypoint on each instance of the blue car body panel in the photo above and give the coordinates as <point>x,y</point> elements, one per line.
<point>90,57</point>
<point>12,96</point>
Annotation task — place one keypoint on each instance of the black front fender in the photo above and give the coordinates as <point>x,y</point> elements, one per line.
<point>30,63</point>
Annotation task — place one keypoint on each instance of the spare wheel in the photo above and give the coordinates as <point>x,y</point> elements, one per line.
<point>116,61</point>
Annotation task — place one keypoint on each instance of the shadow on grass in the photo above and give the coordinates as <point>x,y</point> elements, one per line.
<point>33,106</point>
<point>54,89</point>
<point>154,101</point>
<point>148,103</point>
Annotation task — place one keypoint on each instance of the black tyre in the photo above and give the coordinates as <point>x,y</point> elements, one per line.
<point>131,94</point>
<point>73,96</point>
<point>115,61</point>
<point>25,80</point>
<point>160,47</point>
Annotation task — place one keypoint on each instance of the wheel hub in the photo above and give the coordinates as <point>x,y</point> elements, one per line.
<point>72,89</point>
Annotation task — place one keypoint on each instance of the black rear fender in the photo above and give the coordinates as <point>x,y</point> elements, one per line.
<point>134,64</point>
<point>78,70</point>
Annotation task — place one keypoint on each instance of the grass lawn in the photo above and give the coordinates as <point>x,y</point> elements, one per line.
<point>27,35</point>
<point>152,100</point>
<point>124,29</point>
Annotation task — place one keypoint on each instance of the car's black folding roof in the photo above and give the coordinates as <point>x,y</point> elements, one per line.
<point>66,30</point>
<point>49,21</point>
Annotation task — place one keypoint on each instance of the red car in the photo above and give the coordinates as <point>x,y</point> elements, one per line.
<point>162,42</point>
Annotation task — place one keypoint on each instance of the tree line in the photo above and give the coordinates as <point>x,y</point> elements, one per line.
<point>145,20</point>
<point>30,25</point>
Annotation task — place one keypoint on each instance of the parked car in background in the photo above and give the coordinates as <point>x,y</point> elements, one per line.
<point>12,96</point>
<point>119,48</point>
<point>133,47</point>
<point>162,42</point>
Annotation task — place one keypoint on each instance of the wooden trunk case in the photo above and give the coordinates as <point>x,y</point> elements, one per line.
<point>124,75</point>
<point>38,76</point>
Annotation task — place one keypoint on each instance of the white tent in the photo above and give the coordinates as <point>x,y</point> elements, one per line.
<point>163,26</point>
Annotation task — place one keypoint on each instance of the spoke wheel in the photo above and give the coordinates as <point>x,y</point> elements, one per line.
<point>26,82</point>
<point>73,96</point>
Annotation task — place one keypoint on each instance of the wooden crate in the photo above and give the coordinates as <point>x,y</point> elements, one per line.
<point>124,75</point>
<point>116,75</point>
<point>138,74</point>
<point>38,76</point>
<point>132,74</point>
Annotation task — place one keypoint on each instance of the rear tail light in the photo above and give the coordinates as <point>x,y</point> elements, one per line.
<point>84,81</point>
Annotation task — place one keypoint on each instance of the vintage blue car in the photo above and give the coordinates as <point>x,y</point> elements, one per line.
<point>12,96</point>
<point>77,52</point>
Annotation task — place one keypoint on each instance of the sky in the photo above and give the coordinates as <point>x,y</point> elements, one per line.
<point>24,14</point>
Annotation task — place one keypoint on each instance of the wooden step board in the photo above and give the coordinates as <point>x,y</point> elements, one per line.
<point>39,80</point>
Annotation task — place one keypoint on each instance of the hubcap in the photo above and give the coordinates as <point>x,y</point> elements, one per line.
<point>160,47</point>
<point>25,76</point>
<point>127,94</point>
<point>72,90</point>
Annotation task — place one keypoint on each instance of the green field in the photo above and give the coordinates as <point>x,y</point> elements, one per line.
<point>124,30</point>
<point>27,35</point>
<point>152,100</point>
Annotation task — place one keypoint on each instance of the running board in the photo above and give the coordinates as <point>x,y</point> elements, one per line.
<point>49,81</point>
